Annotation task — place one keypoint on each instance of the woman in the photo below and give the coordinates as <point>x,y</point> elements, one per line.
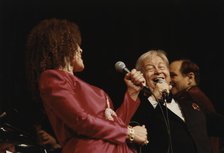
<point>81,115</point>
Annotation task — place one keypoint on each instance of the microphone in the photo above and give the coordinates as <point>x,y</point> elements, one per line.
<point>165,95</point>
<point>121,67</point>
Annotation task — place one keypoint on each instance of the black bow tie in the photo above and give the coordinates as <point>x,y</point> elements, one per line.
<point>166,98</point>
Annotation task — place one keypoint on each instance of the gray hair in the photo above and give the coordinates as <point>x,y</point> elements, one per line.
<point>160,53</point>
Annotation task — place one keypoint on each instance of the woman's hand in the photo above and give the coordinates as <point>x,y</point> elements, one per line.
<point>138,134</point>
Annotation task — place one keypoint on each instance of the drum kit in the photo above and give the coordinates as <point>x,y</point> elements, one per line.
<point>15,140</point>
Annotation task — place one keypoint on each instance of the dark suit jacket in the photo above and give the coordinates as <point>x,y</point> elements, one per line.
<point>186,137</point>
<point>215,121</point>
<point>207,107</point>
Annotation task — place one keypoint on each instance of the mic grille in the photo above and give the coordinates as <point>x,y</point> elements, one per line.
<point>119,66</point>
<point>159,80</point>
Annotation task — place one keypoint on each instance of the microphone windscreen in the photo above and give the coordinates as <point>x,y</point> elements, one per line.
<point>120,66</point>
<point>159,80</point>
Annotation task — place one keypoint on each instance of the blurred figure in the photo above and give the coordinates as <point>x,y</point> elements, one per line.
<point>81,114</point>
<point>185,79</point>
<point>46,140</point>
<point>7,147</point>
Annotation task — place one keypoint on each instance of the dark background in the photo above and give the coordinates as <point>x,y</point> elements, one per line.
<point>112,31</point>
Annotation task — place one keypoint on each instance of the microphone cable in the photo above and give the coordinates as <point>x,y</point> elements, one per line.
<point>166,121</point>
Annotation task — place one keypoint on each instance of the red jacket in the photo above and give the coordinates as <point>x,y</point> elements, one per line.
<point>76,112</point>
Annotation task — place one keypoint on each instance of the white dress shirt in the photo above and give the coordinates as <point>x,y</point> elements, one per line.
<point>173,106</point>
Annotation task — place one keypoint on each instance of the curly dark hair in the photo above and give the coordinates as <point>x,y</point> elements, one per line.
<point>48,44</point>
